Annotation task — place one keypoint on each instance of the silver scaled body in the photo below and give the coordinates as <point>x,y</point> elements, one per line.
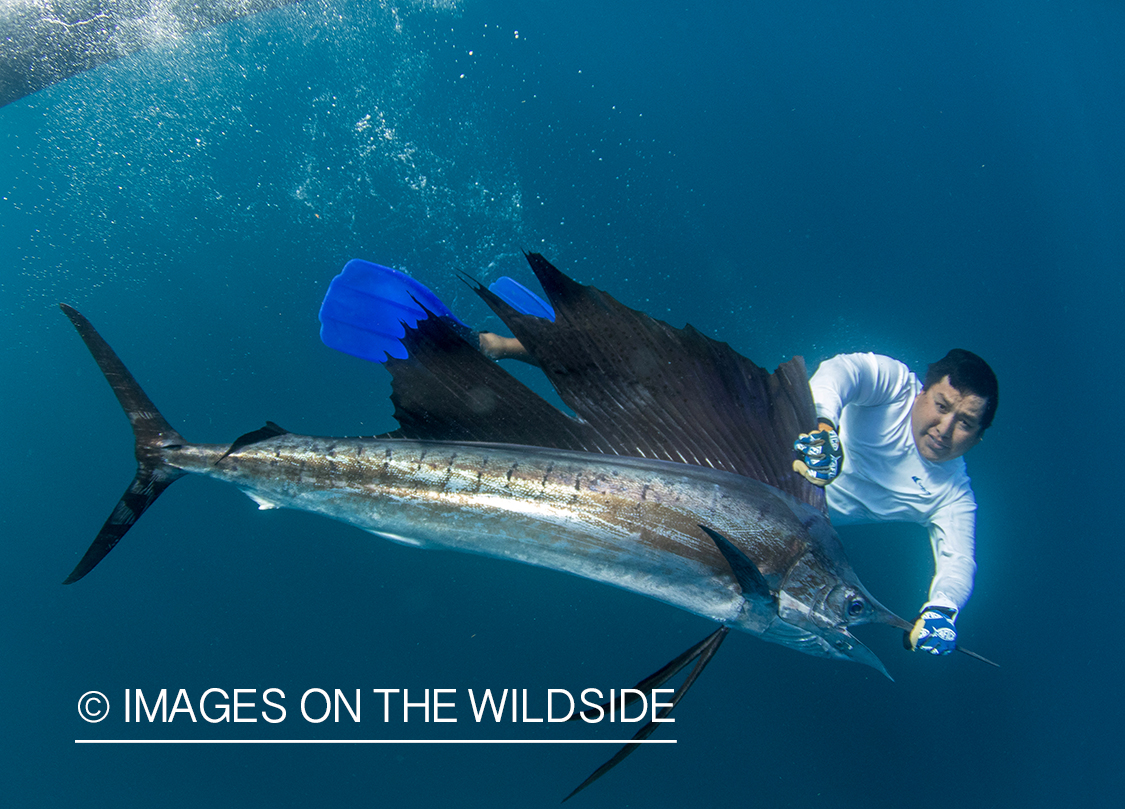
<point>629,522</point>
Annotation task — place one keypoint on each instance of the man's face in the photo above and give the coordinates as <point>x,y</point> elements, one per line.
<point>945,422</point>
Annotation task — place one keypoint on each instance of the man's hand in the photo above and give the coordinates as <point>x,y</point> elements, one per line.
<point>822,455</point>
<point>933,632</point>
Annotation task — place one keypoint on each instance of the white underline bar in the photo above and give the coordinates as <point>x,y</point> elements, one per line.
<point>374,741</point>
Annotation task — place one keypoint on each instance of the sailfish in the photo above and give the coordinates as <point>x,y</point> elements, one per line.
<point>673,479</point>
<point>48,42</point>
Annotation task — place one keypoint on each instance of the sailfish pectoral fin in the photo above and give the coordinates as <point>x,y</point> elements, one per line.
<point>704,651</point>
<point>750,579</point>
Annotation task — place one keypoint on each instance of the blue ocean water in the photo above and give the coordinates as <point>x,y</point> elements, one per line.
<point>802,178</point>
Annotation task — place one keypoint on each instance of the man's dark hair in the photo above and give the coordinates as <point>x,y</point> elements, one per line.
<point>969,374</point>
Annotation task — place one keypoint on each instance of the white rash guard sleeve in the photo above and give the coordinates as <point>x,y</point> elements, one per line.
<point>884,479</point>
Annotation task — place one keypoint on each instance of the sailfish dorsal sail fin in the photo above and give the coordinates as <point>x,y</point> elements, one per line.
<point>638,386</point>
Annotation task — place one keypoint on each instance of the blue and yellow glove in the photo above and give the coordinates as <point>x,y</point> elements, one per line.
<point>933,632</point>
<point>822,455</point>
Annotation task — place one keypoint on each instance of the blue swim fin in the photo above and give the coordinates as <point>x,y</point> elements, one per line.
<point>521,298</point>
<point>366,307</point>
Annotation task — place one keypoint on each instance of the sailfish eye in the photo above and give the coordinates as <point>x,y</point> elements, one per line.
<point>856,607</point>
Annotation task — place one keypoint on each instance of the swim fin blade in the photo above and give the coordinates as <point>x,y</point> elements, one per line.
<point>520,298</point>
<point>368,308</point>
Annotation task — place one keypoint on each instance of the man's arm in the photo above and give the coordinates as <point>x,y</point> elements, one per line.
<point>859,379</point>
<point>952,537</point>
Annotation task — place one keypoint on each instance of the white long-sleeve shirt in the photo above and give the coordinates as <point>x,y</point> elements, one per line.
<point>884,478</point>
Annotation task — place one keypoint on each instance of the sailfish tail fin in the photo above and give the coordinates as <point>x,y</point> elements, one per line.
<point>153,434</point>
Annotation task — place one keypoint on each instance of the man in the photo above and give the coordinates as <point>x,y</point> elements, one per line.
<point>891,447</point>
